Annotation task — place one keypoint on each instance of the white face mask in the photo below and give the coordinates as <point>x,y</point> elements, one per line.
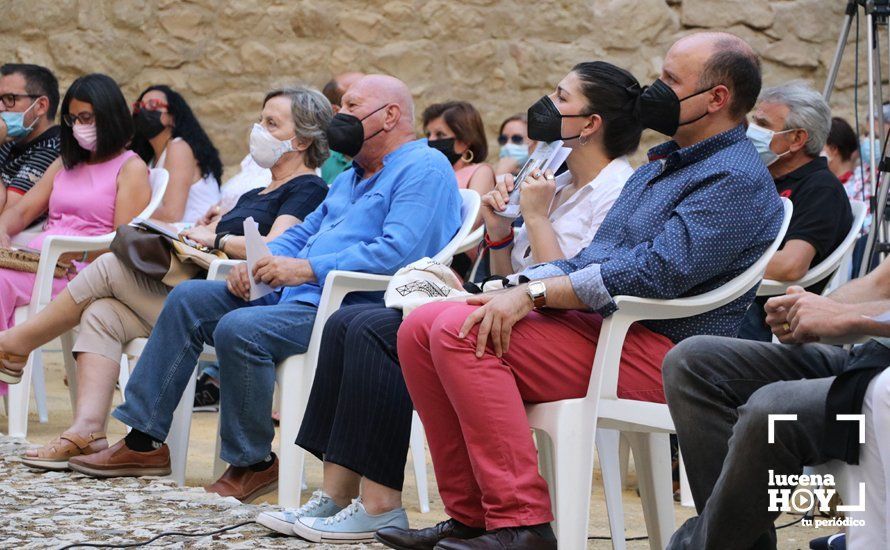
<point>265,148</point>
<point>761,138</point>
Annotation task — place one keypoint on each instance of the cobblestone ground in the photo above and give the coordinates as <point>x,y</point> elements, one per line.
<point>55,509</point>
<point>52,510</point>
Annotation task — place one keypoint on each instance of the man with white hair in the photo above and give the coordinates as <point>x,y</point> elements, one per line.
<point>790,125</point>
<point>368,222</point>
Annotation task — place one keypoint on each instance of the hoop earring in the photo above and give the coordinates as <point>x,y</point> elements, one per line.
<point>581,141</point>
<point>470,158</point>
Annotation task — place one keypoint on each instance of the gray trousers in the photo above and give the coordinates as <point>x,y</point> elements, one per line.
<point>720,392</point>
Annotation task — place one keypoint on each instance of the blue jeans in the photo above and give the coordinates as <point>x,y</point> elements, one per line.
<point>250,338</point>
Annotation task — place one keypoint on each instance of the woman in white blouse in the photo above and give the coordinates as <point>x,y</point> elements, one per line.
<point>592,111</point>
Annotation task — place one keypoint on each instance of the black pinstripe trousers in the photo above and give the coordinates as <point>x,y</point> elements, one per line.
<point>359,411</point>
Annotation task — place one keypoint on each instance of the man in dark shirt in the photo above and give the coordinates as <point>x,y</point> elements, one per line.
<point>29,140</point>
<point>792,123</point>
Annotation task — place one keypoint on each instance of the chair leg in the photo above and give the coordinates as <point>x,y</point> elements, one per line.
<point>418,458</point>
<point>178,438</point>
<point>67,340</point>
<point>18,397</point>
<point>219,465</point>
<point>685,492</point>
<point>607,447</point>
<point>38,382</point>
<point>123,376</point>
<point>569,473</point>
<point>624,459</point>
<point>652,459</point>
<point>293,387</point>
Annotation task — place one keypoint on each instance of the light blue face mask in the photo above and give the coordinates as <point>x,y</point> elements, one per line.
<point>15,123</point>
<point>761,138</point>
<point>516,151</point>
<point>865,149</point>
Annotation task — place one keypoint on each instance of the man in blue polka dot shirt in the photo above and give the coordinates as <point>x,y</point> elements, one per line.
<point>700,212</point>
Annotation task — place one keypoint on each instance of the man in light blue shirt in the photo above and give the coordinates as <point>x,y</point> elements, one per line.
<point>398,203</point>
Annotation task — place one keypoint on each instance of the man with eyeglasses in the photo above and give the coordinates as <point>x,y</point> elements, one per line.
<point>29,139</point>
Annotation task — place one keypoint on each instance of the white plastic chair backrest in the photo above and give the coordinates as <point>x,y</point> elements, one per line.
<point>829,265</point>
<point>469,209</point>
<point>637,309</point>
<point>472,240</point>
<point>157,178</point>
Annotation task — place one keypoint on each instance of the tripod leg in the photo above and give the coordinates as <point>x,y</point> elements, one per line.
<point>839,51</point>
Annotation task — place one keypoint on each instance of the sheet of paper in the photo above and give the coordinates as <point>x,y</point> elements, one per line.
<point>256,249</point>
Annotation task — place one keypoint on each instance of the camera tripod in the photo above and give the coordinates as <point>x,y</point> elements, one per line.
<point>877,15</point>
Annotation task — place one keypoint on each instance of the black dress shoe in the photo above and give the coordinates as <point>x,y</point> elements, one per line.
<point>426,539</point>
<point>509,538</point>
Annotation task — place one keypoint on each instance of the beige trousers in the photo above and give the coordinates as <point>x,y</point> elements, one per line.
<point>123,305</point>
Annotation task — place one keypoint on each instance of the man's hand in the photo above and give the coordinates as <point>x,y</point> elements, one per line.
<point>814,317</point>
<point>777,309</point>
<point>5,240</point>
<point>277,271</point>
<point>238,282</point>
<point>499,312</point>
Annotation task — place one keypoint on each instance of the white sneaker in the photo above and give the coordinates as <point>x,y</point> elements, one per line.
<point>319,505</point>
<point>352,524</point>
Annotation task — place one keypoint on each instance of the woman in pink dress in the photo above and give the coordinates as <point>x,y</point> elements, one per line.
<point>93,187</point>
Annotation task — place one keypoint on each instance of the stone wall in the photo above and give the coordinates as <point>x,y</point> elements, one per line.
<point>499,54</point>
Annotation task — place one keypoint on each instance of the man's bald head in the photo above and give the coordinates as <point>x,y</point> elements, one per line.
<point>377,89</point>
<point>723,58</point>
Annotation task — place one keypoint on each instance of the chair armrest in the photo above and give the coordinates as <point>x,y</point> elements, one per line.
<point>340,283</point>
<point>219,269</point>
<point>53,247</point>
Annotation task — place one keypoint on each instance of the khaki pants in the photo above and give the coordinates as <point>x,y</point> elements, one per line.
<point>123,305</point>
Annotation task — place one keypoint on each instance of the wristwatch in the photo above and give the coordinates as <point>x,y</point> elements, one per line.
<point>537,291</point>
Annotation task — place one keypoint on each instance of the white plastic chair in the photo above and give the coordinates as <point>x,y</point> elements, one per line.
<point>566,428</point>
<point>53,248</point>
<point>830,266</point>
<point>295,374</point>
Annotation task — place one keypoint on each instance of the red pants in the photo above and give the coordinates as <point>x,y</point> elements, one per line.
<point>483,453</point>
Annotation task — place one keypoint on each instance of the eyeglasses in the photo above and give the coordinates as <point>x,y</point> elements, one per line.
<point>9,100</point>
<point>515,139</point>
<point>84,118</point>
<point>150,105</point>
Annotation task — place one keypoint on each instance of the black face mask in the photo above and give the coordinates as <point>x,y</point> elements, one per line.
<point>346,134</point>
<point>148,123</point>
<point>446,147</point>
<point>545,121</point>
<point>659,108</point>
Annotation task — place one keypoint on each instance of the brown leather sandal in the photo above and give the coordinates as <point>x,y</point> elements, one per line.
<point>11,376</point>
<point>55,454</point>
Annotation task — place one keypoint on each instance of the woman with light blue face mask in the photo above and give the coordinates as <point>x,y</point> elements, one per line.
<point>515,145</point>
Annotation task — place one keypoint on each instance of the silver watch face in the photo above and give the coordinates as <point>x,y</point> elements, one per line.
<point>536,288</point>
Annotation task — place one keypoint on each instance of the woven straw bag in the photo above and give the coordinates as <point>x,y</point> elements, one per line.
<point>23,260</point>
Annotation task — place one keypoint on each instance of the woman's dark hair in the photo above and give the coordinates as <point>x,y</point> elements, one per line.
<point>843,138</point>
<point>611,92</point>
<point>466,123</point>
<point>187,127</point>
<point>114,125</point>
<point>521,117</point>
